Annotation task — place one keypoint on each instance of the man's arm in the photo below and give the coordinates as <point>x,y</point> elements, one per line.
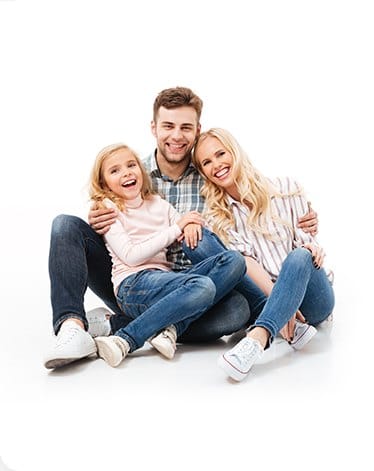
<point>101,219</point>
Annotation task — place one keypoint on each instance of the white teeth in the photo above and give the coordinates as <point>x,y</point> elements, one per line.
<point>222,172</point>
<point>129,182</point>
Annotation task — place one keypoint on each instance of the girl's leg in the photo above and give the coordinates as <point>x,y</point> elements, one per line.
<point>157,299</point>
<point>298,276</point>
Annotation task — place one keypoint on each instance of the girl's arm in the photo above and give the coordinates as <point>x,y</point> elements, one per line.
<point>135,253</point>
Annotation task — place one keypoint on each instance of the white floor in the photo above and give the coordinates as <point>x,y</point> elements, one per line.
<point>304,408</point>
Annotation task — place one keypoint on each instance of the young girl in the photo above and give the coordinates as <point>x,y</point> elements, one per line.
<point>147,291</point>
<point>258,218</point>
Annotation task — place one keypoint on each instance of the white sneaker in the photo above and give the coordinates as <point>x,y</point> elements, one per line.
<point>165,342</point>
<point>98,322</point>
<point>112,349</point>
<point>72,343</point>
<point>302,335</point>
<point>239,360</point>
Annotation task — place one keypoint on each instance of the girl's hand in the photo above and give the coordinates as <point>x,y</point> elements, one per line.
<point>192,235</point>
<point>318,254</point>
<point>193,217</point>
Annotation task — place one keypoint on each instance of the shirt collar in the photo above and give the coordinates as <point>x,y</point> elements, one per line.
<point>154,171</point>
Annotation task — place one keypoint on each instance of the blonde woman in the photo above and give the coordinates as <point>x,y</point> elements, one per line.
<point>258,217</point>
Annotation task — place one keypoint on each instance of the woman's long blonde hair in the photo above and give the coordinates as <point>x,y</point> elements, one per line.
<point>98,189</point>
<point>254,189</point>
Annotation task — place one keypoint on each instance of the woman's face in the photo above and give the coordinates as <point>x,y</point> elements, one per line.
<point>216,163</point>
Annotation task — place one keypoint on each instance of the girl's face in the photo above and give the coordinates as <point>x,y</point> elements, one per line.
<point>216,163</point>
<point>122,174</point>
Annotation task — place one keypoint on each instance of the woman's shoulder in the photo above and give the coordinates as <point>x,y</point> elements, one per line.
<point>286,185</point>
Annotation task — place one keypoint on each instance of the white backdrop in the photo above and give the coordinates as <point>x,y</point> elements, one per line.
<point>292,79</point>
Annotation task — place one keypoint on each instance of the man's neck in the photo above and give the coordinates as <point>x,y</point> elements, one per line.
<point>172,170</point>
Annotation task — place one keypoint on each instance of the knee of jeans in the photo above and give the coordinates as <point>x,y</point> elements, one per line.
<point>209,245</point>
<point>206,290</point>
<point>299,257</point>
<point>237,259</point>
<point>235,310</point>
<point>65,224</point>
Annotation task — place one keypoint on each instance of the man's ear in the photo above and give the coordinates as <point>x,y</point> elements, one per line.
<point>198,131</point>
<point>153,128</point>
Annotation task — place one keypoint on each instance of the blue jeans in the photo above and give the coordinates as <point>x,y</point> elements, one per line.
<point>211,245</point>
<point>78,259</point>
<point>155,299</point>
<point>299,286</point>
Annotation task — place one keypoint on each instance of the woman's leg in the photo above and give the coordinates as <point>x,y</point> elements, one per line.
<point>298,277</point>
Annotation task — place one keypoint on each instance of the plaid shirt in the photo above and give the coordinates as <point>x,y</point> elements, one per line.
<point>183,194</point>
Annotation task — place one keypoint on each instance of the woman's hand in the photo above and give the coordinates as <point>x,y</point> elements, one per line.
<point>287,332</point>
<point>318,254</point>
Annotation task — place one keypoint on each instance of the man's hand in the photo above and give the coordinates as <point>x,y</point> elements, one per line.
<point>101,219</point>
<point>309,222</point>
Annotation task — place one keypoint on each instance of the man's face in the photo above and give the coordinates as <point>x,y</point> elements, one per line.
<point>175,131</point>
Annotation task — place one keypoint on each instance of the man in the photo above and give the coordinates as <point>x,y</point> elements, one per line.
<point>78,257</point>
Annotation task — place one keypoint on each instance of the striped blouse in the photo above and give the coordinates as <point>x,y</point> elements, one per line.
<point>271,252</point>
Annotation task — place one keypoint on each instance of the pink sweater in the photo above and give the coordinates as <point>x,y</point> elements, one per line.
<point>140,236</point>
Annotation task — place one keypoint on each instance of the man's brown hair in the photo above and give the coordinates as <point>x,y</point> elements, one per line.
<point>176,97</point>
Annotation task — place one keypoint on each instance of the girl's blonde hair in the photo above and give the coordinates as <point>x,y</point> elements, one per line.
<point>255,190</point>
<point>98,189</point>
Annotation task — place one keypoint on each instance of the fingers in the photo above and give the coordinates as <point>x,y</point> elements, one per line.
<point>192,235</point>
<point>309,222</point>
<point>300,317</point>
<point>318,254</point>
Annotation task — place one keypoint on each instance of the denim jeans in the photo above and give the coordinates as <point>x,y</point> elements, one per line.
<point>155,299</point>
<point>299,286</point>
<point>78,259</point>
<point>211,245</point>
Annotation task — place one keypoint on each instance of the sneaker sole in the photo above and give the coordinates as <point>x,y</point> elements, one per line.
<point>167,353</point>
<point>230,370</point>
<point>59,362</point>
<point>105,352</point>
<point>305,338</point>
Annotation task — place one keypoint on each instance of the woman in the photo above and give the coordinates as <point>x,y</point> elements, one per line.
<point>258,217</point>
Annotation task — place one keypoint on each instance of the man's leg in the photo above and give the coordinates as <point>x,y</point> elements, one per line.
<point>78,258</point>
<point>230,314</point>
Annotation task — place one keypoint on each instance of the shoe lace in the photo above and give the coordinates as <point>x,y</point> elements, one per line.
<point>245,351</point>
